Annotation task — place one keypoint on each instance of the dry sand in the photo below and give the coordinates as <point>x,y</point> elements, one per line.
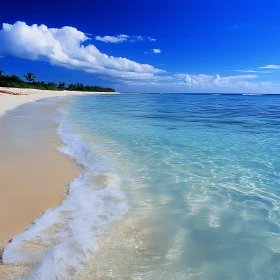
<point>33,175</point>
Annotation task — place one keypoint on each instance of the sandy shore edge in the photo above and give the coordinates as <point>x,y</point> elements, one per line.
<point>10,98</point>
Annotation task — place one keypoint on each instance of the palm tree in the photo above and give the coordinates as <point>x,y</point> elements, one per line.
<point>30,77</point>
<point>1,73</point>
<point>61,85</point>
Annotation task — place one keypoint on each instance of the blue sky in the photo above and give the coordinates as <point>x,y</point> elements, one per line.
<point>147,46</point>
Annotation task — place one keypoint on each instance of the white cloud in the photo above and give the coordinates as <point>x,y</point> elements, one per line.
<point>122,38</point>
<point>256,85</point>
<point>156,51</point>
<point>246,71</point>
<point>200,82</point>
<point>210,81</point>
<point>204,83</point>
<point>234,79</point>
<point>271,66</point>
<point>253,71</point>
<point>217,80</point>
<point>152,39</point>
<point>140,38</point>
<point>113,39</point>
<point>64,47</point>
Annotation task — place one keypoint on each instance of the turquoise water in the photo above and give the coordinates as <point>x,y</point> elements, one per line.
<point>175,187</point>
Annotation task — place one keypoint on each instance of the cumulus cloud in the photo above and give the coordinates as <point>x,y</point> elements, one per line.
<point>210,81</point>
<point>204,83</point>
<point>271,66</point>
<point>156,51</point>
<point>201,82</point>
<point>198,80</point>
<point>65,47</point>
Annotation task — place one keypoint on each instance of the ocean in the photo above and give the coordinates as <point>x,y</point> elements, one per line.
<point>175,186</point>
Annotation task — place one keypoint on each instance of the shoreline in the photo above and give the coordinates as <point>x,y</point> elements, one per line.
<point>21,96</point>
<point>23,199</point>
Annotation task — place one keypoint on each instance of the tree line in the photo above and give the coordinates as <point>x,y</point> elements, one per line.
<point>30,82</point>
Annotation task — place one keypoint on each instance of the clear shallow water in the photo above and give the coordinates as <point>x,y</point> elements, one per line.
<point>175,187</point>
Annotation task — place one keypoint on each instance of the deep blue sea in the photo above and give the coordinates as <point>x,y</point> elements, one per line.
<point>175,186</point>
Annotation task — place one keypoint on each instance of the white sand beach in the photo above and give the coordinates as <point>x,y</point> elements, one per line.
<point>29,185</point>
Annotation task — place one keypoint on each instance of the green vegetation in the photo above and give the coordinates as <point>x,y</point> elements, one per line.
<point>16,82</point>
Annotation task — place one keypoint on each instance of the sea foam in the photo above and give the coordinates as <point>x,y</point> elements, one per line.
<point>64,239</point>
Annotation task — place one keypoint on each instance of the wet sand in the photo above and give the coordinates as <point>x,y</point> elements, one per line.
<point>33,175</point>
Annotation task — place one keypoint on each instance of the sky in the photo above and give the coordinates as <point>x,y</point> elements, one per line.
<point>145,46</point>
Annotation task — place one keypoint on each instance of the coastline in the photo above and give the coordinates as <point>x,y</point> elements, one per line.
<point>36,187</point>
<point>19,96</point>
